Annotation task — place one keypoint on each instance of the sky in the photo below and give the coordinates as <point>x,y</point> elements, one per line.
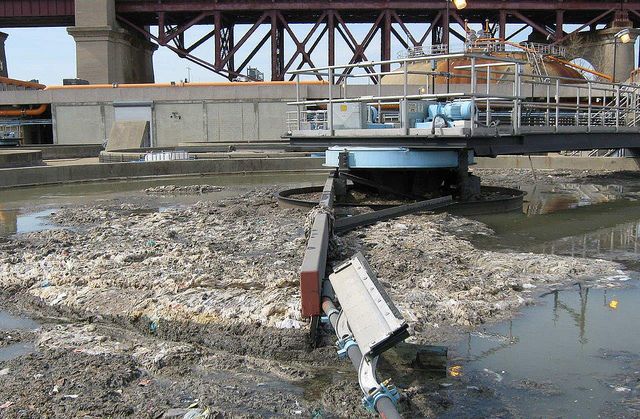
<point>48,54</point>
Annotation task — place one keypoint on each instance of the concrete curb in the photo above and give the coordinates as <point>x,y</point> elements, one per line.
<point>45,175</point>
<point>559,162</point>
<point>20,158</point>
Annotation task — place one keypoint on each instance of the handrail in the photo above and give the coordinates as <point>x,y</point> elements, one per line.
<point>183,84</point>
<point>520,101</point>
<point>313,71</point>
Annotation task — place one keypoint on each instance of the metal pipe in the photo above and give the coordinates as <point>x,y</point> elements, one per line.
<point>332,312</point>
<point>21,83</point>
<point>298,100</point>
<point>557,105</point>
<point>404,60</point>
<point>384,406</point>
<point>548,103</point>
<point>25,112</point>
<point>330,103</point>
<point>488,106</point>
<point>617,107</point>
<point>589,93</point>
<point>405,91</point>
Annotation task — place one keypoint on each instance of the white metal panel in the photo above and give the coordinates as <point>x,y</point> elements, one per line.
<point>373,318</point>
<point>349,115</point>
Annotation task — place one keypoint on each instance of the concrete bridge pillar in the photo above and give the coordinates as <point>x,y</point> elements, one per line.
<point>105,52</point>
<point>599,47</point>
<point>3,56</point>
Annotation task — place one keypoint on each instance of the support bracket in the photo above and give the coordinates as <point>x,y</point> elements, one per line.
<point>373,390</point>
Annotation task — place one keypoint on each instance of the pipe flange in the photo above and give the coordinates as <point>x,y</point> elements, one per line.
<point>369,385</point>
<point>344,345</point>
<point>385,390</point>
<point>331,312</point>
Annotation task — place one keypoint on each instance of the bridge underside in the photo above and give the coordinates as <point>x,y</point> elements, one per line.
<point>277,27</point>
<point>482,146</point>
<point>332,23</point>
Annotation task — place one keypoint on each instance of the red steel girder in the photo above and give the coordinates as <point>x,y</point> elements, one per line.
<point>174,18</point>
<point>142,6</point>
<point>35,13</point>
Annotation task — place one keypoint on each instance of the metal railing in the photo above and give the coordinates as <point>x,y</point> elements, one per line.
<point>504,99</point>
<point>421,51</point>
<point>307,120</point>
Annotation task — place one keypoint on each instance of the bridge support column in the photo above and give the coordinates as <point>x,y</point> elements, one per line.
<point>599,48</point>
<point>105,52</point>
<point>3,56</point>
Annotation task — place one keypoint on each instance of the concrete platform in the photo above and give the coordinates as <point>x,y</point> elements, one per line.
<point>16,157</point>
<point>131,155</point>
<point>74,151</point>
<point>93,171</point>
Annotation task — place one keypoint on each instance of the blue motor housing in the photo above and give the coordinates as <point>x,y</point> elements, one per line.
<point>453,111</point>
<point>458,111</point>
<point>373,114</point>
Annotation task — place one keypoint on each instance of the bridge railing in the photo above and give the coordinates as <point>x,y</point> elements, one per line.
<point>504,100</point>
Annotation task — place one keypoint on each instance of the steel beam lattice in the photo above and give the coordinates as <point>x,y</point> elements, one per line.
<point>293,46</point>
<point>296,29</point>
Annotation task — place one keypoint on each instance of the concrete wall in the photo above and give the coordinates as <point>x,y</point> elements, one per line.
<point>79,124</point>
<point>558,162</point>
<point>29,176</point>
<point>176,122</point>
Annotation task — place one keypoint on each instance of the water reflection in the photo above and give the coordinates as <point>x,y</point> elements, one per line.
<point>8,221</point>
<point>503,341</point>
<point>546,199</point>
<point>620,243</point>
<point>12,221</point>
<point>559,346</point>
<point>579,316</point>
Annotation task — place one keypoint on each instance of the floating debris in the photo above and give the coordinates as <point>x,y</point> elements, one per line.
<point>183,190</point>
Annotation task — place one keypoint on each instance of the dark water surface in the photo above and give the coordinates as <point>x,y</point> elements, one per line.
<point>10,322</point>
<point>576,354</point>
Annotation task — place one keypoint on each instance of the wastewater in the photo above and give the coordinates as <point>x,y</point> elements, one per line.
<point>574,353</point>
<point>10,323</point>
<point>24,210</point>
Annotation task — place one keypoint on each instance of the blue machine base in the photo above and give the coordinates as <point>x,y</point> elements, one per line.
<point>394,158</point>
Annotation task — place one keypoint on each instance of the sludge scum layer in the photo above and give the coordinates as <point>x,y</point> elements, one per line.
<point>180,297</point>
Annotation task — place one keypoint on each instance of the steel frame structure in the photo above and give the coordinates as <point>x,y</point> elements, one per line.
<point>331,21</point>
<point>520,113</point>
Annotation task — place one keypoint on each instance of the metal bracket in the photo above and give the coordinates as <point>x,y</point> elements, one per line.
<point>345,337</point>
<point>369,385</point>
<point>342,327</point>
<point>344,345</point>
<point>373,319</point>
<point>343,160</point>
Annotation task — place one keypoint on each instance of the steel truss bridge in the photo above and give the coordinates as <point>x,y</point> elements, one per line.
<point>327,23</point>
